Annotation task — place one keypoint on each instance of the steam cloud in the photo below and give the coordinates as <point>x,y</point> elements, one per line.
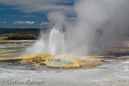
<point>98,23</point>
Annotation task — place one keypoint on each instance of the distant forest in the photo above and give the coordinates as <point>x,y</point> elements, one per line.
<point>35,31</point>
<point>20,33</point>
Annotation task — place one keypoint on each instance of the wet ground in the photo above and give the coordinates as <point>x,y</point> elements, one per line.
<point>13,48</point>
<point>14,51</point>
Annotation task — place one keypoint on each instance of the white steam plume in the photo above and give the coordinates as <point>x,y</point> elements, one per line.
<point>98,23</point>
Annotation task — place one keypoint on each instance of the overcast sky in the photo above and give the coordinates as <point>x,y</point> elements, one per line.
<point>31,13</point>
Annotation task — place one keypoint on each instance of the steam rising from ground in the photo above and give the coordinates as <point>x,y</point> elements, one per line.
<point>98,23</point>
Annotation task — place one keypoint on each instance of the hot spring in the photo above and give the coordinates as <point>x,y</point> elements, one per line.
<point>54,48</point>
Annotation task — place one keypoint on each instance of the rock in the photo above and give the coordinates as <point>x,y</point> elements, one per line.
<point>42,64</point>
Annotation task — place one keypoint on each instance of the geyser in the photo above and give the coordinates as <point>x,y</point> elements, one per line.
<point>98,24</point>
<point>54,44</point>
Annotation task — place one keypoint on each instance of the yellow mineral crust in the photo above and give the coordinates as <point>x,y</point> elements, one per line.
<point>39,57</point>
<point>62,62</point>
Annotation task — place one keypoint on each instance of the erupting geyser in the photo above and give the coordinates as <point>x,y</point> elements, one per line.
<point>97,25</point>
<point>54,44</point>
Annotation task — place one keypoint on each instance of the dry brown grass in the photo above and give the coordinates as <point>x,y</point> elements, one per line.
<point>3,38</point>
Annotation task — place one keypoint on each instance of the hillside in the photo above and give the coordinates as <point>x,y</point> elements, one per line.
<point>19,34</point>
